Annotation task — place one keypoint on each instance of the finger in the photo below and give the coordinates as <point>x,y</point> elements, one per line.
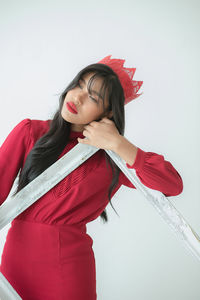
<point>93,123</point>
<point>83,141</point>
<point>105,119</point>
<point>87,126</point>
<point>102,120</point>
<point>87,131</point>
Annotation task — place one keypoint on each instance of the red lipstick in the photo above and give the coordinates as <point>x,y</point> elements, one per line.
<point>71,107</point>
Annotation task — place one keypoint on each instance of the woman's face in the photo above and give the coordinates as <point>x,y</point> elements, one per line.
<point>87,105</point>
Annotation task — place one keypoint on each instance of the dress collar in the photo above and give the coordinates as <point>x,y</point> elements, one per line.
<point>75,134</point>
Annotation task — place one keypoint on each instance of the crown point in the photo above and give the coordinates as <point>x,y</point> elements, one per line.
<point>125,76</point>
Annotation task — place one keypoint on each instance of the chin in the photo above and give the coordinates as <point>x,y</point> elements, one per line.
<point>63,116</point>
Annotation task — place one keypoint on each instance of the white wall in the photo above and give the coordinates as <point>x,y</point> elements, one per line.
<point>43,45</point>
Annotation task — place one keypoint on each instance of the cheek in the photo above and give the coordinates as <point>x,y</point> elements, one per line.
<point>90,111</point>
<point>68,94</point>
<point>93,109</point>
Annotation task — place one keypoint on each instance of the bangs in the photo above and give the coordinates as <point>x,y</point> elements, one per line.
<point>104,87</point>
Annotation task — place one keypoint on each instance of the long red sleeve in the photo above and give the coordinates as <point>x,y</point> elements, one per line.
<point>156,173</point>
<point>12,153</point>
<point>151,168</point>
<point>48,245</point>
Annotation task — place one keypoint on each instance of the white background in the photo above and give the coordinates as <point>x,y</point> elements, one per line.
<point>43,46</point>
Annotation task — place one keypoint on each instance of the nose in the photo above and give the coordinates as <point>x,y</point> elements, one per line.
<point>76,100</point>
<point>78,97</point>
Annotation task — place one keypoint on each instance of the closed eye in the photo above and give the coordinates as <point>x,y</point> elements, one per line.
<point>90,96</point>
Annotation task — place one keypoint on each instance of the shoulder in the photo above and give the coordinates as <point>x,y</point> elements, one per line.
<point>36,128</point>
<point>39,124</point>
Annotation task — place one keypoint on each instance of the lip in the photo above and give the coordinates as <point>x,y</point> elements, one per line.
<point>71,107</point>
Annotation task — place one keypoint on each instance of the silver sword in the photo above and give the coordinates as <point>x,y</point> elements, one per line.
<point>13,206</point>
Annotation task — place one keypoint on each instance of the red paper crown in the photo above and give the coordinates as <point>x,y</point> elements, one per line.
<point>125,76</point>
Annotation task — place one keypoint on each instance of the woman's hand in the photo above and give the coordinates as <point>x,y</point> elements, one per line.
<point>102,134</point>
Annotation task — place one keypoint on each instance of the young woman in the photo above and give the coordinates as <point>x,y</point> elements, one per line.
<point>48,254</point>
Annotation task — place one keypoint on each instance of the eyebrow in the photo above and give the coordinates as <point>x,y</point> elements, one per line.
<point>94,92</point>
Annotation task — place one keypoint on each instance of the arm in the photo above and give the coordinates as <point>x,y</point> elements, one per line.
<point>152,169</point>
<point>125,150</point>
<point>12,153</point>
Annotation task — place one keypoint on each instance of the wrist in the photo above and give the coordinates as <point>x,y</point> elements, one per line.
<point>125,149</point>
<point>118,141</point>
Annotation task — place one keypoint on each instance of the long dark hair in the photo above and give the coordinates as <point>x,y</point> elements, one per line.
<point>48,147</point>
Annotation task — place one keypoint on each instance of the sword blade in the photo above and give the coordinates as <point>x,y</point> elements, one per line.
<point>13,206</point>
<point>7,292</point>
<point>180,227</point>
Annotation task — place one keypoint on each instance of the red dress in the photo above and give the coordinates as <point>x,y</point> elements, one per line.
<point>48,254</point>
